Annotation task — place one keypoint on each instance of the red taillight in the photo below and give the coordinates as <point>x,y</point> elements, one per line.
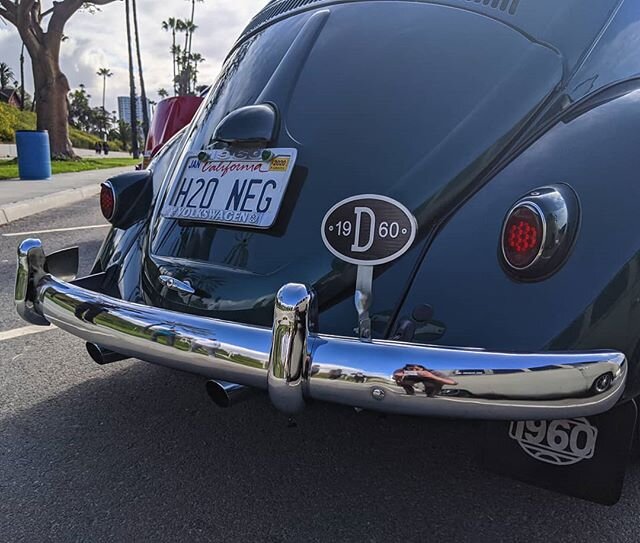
<point>107,201</point>
<point>523,236</point>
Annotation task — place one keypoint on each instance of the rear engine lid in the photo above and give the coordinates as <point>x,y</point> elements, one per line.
<point>406,100</point>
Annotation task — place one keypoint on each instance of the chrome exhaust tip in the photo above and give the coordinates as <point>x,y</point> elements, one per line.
<point>227,395</point>
<point>103,356</point>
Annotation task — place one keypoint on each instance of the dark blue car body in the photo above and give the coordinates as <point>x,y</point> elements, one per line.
<point>456,109</point>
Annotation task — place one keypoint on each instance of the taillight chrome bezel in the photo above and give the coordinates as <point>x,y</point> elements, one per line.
<point>558,209</point>
<point>132,197</point>
<point>536,209</point>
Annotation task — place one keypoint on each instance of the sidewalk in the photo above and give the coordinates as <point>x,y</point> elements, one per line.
<point>8,150</point>
<point>19,199</point>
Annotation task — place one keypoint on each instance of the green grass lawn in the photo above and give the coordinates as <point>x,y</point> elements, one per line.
<point>9,168</point>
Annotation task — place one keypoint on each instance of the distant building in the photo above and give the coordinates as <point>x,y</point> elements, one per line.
<point>124,109</point>
<point>11,97</point>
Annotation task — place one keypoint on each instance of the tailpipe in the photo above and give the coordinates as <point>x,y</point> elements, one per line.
<point>226,395</point>
<point>103,356</point>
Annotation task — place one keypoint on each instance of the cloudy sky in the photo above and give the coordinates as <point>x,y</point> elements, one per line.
<point>100,40</point>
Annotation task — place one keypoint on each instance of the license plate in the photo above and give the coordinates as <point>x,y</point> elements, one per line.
<point>241,187</point>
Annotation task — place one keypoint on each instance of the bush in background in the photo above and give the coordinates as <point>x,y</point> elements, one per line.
<point>12,119</point>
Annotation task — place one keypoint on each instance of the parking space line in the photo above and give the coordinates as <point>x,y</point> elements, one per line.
<point>55,230</point>
<point>26,331</point>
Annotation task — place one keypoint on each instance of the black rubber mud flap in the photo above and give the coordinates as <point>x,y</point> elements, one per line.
<point>585,457</point>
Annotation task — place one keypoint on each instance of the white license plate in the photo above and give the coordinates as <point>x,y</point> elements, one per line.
<point>241,187</point>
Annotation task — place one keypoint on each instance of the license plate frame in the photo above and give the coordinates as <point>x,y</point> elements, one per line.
<point>232,187</point>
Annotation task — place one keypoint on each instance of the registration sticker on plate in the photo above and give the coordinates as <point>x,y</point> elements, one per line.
<point>241,187</point>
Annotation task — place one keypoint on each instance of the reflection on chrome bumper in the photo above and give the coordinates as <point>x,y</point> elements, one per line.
<point>293,363</point>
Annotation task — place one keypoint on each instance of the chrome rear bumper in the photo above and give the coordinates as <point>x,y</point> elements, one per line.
<point>294,364</point>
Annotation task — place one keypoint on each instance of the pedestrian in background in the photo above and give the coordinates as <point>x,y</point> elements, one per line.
<point>105,148</point>
<point>98,148</point>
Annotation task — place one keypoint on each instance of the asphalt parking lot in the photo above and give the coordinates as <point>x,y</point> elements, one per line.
<point>137,452</point>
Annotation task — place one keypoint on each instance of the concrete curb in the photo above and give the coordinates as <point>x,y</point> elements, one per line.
<point>26,208</point>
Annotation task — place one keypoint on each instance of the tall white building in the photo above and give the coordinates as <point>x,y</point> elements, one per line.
<point>124,109</point>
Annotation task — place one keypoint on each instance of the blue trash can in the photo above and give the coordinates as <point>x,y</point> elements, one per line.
<point>34,155</point>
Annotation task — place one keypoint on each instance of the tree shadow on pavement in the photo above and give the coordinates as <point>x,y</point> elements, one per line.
<point>141,453</point>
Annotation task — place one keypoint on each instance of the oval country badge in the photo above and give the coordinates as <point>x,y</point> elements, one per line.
<point>369,230</point>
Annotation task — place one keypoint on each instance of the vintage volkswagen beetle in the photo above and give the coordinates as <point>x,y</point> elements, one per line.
<point>464,171</point>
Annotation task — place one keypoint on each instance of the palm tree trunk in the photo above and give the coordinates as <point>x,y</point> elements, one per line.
<point>22,78</point>
<point>186,40</point>
<point>104,94</point>
<point>143,92</point>
<point>104,90</point>
<point>193,14</point>
<point>132,89</point>
<point>173,52</point>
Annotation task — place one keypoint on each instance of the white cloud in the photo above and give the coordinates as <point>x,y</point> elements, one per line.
<point>100,40</point>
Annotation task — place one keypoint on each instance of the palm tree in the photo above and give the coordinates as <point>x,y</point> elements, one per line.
<point>183,59</point>
<point>182,25</point>
<point>181,63</point>
<point>104,73</point>
<point>132,88</point>
<point>170,24</point>
<point>189,29</point>
<point>6,75</point>
<point>143,92</point>
<point>196,58</point>
<point>177,53</point>
<point>180,52</point>
<point>162,93</point>
<point>191,21</point>
<point>182,78</point>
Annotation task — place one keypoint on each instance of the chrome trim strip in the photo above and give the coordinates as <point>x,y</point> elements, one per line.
<point>293,363</point>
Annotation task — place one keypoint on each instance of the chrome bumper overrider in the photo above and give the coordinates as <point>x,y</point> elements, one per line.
<point>294,364</point>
